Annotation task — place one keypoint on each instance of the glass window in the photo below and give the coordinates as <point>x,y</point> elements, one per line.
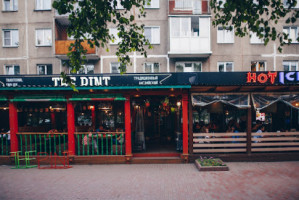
<point>151,67</point>
<point>188,66</point>
<point>254,39</point>
<point>86,69</point>
<point>43,37</point>
<point>12,69</point>
<point>118,5</point>
<point>258,66</point>
<point>44,69</point>
<point>152,34</point>
<point>43,5</point>
<point>115,67</point>
<point>10,38</point>
<point>151,4</point>
<point>224,35</point>
<point>286,5</point>
<point>290,65</point>
<point>10,5</point>
<point>225,66</point>
<point>183,4</point>
<point>292,32</point>
<point>114,32</point>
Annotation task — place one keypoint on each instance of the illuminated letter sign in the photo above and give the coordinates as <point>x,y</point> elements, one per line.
<point>261,78</point>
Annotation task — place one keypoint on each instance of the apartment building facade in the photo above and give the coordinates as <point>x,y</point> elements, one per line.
<point>180,84</point>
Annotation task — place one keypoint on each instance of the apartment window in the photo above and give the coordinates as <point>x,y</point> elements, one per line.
<point>151,67</point>
<point>10,5</point>
<point>86,69</point>
<point>152,34</point>
<point>225,66</point>
<point>118,5</point>
<point>43,37</point>
<point>286,5</point>
<point>188,67</point>
<point>292,32</point>
<point>183,4</point>
<point>44,69</point>
<point>221,3</point>
<point>10,38</point>
<point>290,65</point>
<point>188,26</point>
<point>43,4</point>
<point>254,39</point>
<point>258,66</point>
<point>151,4</point>
<point>115,67</point>
<point>224,35</point>
<point>12,69</point>
<point>114,32</point>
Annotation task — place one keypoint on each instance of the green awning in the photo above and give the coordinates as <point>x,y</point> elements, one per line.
<point>3,98</point>
<point>97,97</point>
<point>38,98</point>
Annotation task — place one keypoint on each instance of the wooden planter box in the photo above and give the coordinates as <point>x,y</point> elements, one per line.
<point>210,168</point>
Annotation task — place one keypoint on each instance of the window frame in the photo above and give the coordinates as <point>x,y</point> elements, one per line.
<point>14,69</point>
<point>225,32</point>
<point>10,37</point>
<point>289,64</point>
<point>118,63</point>
<point>152,67</point>
<point>257,64</point>
<point>225,63</point>
<point>117,39</point>
<point>43,44</point>
<point>285,5</point>
<point>150,7</point>
<point>254,39</point>
<point>188,62</point>
<point>11,5</point>
<point>42,5</point>
<point>46,68</point>
<point>151,28</point>
<point>287,29</point>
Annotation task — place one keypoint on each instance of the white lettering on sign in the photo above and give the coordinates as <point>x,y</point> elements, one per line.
<point>84,81</point>
<point>9,80</point>
<point>59,81</point>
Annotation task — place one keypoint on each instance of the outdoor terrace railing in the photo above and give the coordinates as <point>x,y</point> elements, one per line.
<point>49,143</point>
<point>275,141</point>
<point>219,142</point>
<point>5,144</point>
<point>104,143</point>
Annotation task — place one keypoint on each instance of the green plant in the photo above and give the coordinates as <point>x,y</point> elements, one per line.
<point>206,162</point>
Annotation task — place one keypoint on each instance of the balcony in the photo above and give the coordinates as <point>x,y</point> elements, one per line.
<point>190,37</point>
<point>62,47</point>
<point>189,7</point>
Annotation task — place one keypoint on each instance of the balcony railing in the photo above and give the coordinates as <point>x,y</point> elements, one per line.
<point>189,7</point>
<point>62,47</point>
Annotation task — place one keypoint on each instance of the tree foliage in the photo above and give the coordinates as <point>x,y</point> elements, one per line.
<point>90,21</point>
<point>257,16</point>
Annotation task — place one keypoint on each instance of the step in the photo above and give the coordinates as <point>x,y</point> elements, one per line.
<point>156,160</point>
<point>166,154</point>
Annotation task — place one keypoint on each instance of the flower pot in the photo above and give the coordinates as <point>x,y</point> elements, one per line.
<point>210,168</point>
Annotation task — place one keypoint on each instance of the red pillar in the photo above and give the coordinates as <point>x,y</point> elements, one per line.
<point>13,125</point>
<point>93,117</point>
<point>71,127</point>
<point>128,128</point>
<point>53,121</point>
<point>185,123</point>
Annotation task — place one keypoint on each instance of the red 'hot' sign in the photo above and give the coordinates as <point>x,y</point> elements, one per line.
<point>262,77</point>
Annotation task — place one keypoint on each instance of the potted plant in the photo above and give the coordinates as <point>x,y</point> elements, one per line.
<point>210,164</point>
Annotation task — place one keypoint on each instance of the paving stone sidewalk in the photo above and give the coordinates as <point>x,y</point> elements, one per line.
<point>256,181</point>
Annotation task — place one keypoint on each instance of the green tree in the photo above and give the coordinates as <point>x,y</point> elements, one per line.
<point>258,16</point>
<point>92,18</point>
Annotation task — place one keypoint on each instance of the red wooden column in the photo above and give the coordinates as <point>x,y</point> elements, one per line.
<point>71,127</point>
<point>128,128</point>
<point>185,125</point>
<point>53,120</point>
<point>13,125</point>
<point>93,117</point>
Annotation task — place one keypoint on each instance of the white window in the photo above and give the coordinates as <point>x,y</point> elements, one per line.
<point>286,5</point>
<point>44,69</point>
<point>183,4</point>
<point>225,66</point>
<point>188,67</point>
<point>12,69</point>
<point>43,4</point>
<point>290,65</point>
<point>43,37</point>
<point>151,4</point>
<point>189,27</point>
<point>292,32</point>
<point>115,67</point>
<point>257,66</point>
<point>10,38</point>
<point>152,34</point>
<point>254,39</point>
<point>151,67</point>
<point>114,32</point>
<point>221,3</point>
<point>10,5</point>
<point>224,35</point>
<point>86,69</point>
